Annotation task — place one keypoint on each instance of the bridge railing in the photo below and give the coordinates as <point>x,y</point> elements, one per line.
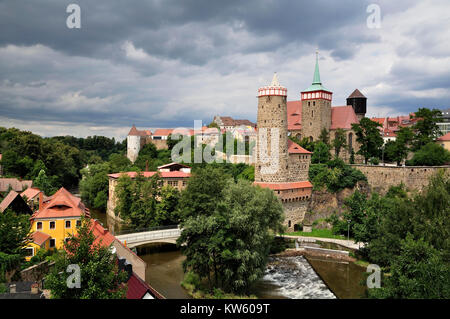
<point>150,235</point>
<point>141,230</point>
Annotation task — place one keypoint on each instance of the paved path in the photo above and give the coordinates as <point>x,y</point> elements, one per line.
<point>343,242</point>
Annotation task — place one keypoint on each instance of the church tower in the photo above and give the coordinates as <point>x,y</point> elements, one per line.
<point>272,160</point>
<point>316,107</point>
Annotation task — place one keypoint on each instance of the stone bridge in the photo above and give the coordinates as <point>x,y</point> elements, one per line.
<point>168,235</point>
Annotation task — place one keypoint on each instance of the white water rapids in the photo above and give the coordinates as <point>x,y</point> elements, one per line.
<point>295,279</point>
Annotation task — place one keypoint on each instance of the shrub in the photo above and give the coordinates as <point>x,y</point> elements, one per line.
<point>431,154</point>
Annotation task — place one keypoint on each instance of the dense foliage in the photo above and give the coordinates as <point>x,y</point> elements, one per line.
<point>26,154</point>
<point>431,154</point>
<point>142,202</point>
<point>100,276</point>
<point>14,231</point>
<point>228,229</point>
<point>409,236</point>
<point>335,175</point>
<point>369,137</point>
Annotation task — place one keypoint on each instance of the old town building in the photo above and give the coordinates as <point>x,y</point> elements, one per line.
<point>281,164</point>
<point>173,174</point>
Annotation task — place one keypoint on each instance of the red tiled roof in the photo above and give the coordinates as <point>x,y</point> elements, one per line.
<point>8,200</point>
<point>62,204</point>
<point>180,131</point>
<point>173,164</point>
<point>135,132</point>
<point>343,117</point>
<point>39,238</point>
<point>172,174</point>
<point>285,186</point>
<point>137,288</point>
<point>294,148</point>
<point>101,234</point>
<point>30,193</point>
<point>164,132</point>
<point>294,115</point>
<point>445,137</point>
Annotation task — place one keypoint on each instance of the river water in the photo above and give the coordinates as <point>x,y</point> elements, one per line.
<point>286,277</point>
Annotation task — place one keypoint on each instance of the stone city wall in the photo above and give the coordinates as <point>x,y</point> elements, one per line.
<point>380,178</point>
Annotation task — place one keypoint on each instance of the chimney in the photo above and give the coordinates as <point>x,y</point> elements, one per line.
<point>41,200</point>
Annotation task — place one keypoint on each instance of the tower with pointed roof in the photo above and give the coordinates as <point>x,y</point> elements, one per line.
<point>316,107</point>
<point>359,103</point>
<point>281,164</point>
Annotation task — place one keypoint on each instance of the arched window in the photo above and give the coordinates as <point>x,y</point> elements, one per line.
<point>350,141</point>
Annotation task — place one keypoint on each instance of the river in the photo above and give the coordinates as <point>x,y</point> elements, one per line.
<point>286,277</point>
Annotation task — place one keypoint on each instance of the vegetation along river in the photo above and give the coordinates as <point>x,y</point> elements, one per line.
<point>286,277</point>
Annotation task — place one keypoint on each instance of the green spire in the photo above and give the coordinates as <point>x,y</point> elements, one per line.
<point>316,79</point>
<point>316,84</point>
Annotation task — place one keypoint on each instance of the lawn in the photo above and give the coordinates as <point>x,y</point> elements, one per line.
<point>322,233</point>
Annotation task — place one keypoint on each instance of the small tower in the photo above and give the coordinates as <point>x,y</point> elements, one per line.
<point>133,144</point>
<point>272,119</point>
<point>359,103</point>
<point>316,107</point>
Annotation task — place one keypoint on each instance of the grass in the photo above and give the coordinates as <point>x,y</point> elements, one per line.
<point>322,233</point>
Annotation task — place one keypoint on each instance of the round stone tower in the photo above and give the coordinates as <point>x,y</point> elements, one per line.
<point>272,158</point>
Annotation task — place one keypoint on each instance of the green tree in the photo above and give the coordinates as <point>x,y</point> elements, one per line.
<point>100,276</point>
<point>426,127</point>
<point>14,230</point>
<point>228,237</point>
<point>431,154</point>
<point>94,185</point>
<point>339,141</point>
<point>418,272</point>
<point>369,137</point>
<point>136,200</point>
<point>166,208</point>
<point>321,153</point>
<point>325,136</point>
<point>44,183</point>
<point>398,150</point>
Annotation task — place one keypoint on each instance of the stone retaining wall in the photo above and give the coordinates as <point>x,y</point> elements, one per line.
<point>380,178</point>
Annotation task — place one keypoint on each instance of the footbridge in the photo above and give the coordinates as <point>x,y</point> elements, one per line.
<point>167,234</point>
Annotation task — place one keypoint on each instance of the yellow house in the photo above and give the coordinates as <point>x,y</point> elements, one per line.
<point>444,141</point>
<point>55,221</point>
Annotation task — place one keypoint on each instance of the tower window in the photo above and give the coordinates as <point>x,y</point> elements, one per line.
<point>309,103</point>
<point>314,103</point>
<point>312,113</point>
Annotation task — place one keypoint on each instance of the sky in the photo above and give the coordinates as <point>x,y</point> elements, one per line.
<point>166,63</point>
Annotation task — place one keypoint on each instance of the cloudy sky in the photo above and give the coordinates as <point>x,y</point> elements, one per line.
<point>165,63</point>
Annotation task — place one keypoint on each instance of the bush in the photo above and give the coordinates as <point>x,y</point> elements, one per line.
<point>431,154</point>
<point>335,175</point>
<point>375,161</point>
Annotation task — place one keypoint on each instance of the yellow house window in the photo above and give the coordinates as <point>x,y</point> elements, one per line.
<point>52,242</point>
<point>78,223</point>
<point>68,224</point>
<point>39,225</point>
<point>52,225</point>
<point>29,252</point>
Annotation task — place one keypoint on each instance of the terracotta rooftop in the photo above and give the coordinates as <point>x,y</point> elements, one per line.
<point>229,121</point>
<point>135,132</point>
<point>445,137</point>
<point>172,174</point>
<point>62,204</point>
<point>294,148</point>
<point>30,193</point>
<point>39,238</point>
<point>163,132</point>
<point>8,200</point>
<point>285,186</point>
<point>343,117</point>
<point>294,112</point>
<point>102,235</point>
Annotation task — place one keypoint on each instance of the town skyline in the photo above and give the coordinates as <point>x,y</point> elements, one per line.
<point>193,62</point>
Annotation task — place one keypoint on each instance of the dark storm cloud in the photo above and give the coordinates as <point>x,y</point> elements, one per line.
<point>164,63</point>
